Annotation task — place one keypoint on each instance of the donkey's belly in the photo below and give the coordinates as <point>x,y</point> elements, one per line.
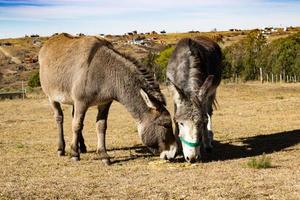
<point>61,98</point>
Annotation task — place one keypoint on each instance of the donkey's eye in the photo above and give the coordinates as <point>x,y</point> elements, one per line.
<point>180,123</point>
<point>167,126</point>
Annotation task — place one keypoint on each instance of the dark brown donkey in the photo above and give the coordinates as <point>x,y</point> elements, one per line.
<point>87,71</point>
<point>194,73</point>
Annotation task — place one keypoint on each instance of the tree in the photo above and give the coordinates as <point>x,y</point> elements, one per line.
<point>162,62</point>
<point>282,56</point>
<point>254,44</point>
<point>159,62</point>
<point>241,57</point>
<point>34,80</point>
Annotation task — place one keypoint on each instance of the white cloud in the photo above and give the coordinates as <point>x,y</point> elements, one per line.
<point>108,16</point>
<point>73,9</point>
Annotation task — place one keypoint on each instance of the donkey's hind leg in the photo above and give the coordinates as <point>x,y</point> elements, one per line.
<point>101,126</point>
<point>82,147</point>
<point>59,117</point>
<point>80,109</point>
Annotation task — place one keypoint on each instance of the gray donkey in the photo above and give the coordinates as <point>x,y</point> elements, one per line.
<point>87,71</point>
<point>194,73</point>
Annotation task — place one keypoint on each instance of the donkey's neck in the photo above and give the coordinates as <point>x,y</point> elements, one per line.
<point>134,103</point>
<point>128,87</point>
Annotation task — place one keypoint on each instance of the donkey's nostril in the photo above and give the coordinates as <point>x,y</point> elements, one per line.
<point>188,159</point>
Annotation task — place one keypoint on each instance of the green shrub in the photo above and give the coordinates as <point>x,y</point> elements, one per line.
<point>162,62</point>
<point>158,62</point>
<point>261,163</point>
<point>34,80</point>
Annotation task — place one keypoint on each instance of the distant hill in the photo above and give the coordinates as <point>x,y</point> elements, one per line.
<point>19,57</point>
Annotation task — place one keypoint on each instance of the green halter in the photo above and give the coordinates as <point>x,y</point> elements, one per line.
<point>190,144</point>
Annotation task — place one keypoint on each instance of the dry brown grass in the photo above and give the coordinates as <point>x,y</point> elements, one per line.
<point>252,119</point>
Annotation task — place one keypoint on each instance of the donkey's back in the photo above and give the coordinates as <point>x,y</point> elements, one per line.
<point>66,66</point>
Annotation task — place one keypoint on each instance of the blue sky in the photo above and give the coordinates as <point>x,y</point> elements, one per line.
<point>20,17</point>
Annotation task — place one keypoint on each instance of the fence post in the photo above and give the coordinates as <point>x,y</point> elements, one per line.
<point>280,78</point>
<point>261,75</point>
<point>272,77</point>
<point>23,95</point>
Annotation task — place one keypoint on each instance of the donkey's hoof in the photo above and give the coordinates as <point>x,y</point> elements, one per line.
<point>60,153</point>
<point>83,150</point>
<point>75,158</point>
<point>102,154</point>
<point>106,161</point>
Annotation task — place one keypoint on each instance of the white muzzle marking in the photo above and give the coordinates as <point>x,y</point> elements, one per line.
<point>169,154</point>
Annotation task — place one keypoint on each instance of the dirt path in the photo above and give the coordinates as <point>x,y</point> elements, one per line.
<point>7,54</point>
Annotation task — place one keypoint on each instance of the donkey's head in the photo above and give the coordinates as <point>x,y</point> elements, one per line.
<point>191,117</point>
<point>156,130</point>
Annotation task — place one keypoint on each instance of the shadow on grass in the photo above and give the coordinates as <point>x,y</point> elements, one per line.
<point>254,146</point>
<point>137,148</point>
<point>128,158</point>
<point>140,151</point>
<point>250,146</point>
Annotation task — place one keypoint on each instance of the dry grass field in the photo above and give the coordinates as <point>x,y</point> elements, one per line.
<point>252,119</point>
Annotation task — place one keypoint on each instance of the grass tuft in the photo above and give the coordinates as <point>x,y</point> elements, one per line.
<point>262,163</point>
<point>279,97</point>
<point>20,146</point>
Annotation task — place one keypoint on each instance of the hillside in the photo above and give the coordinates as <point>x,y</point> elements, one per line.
<point>18,57</point>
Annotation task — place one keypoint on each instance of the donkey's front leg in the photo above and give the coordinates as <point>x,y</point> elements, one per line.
<point>101,126</point>
<point>77,126</point>
<point>210,135</point>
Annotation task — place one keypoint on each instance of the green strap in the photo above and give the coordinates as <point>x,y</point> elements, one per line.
<point>191,144</point>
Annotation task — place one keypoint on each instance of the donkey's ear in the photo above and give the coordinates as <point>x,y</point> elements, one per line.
<point>178,94</point>
<point>206,89</point>
<point>147,99</point>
